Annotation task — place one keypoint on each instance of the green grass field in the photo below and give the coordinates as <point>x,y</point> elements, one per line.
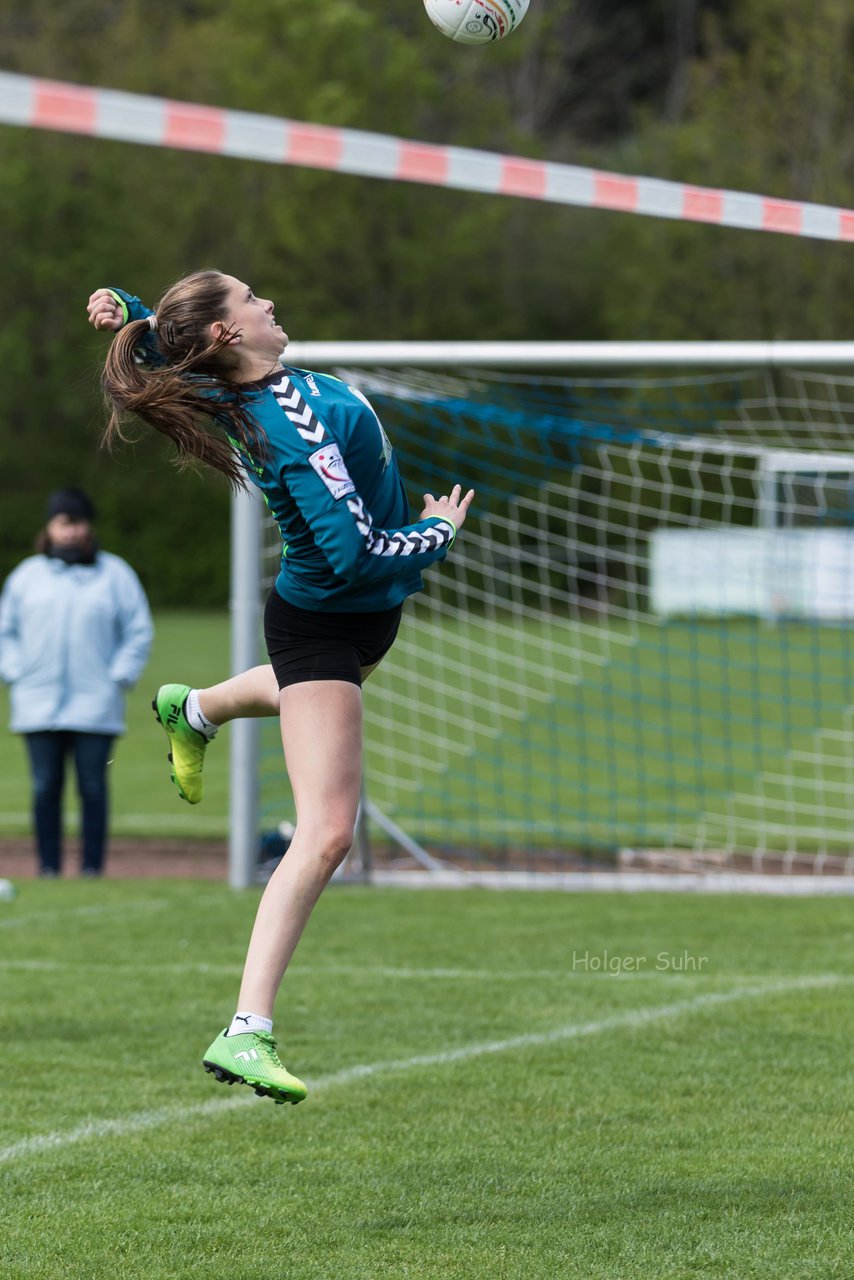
<point>483,1103</point>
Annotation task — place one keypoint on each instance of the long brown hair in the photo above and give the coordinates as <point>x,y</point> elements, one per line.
<point>191,397</point>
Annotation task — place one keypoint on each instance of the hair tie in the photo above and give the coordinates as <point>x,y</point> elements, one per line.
<point>152,322</point>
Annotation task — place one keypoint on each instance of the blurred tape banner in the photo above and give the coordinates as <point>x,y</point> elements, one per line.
<point>159,122</point>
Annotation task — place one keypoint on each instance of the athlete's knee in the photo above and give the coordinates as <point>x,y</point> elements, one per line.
<point>337,845</point>
<point>332,841</point>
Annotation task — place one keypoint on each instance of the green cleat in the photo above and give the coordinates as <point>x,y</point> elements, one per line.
<point>187,745</point>
<point>251,1058</point>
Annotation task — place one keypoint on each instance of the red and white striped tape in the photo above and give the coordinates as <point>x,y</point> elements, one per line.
<point>159,122</point>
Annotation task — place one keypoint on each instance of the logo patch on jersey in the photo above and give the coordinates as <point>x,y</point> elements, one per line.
<point>312,385</point>
<point>329,465</point>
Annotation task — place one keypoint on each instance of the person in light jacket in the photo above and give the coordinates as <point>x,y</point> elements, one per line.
<point>75,634</point>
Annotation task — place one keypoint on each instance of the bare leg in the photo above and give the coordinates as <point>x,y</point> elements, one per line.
<point>322,739</point>
<point>253,693</point>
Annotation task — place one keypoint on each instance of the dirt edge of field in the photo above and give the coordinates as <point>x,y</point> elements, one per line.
<point>127,859</point>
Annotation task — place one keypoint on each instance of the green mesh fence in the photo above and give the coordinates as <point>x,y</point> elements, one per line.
<point>642,639</point>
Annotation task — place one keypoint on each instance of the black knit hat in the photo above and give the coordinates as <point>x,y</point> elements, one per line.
<point>70,502</point>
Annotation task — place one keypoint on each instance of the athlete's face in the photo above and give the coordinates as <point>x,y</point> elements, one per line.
<point>253,322</point>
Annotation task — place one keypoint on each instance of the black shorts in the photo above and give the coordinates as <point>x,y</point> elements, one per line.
<point>304,645</point>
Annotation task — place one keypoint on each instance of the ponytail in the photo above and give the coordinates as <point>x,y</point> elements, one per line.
<point>188,398</point>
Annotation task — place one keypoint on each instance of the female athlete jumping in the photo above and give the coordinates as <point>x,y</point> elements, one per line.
<point>204,369</point>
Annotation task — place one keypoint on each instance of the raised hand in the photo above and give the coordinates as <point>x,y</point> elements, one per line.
<point>104,311</point>
<point>450,507</point>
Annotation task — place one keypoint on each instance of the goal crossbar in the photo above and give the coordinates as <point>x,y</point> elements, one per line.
<point>569,355</point>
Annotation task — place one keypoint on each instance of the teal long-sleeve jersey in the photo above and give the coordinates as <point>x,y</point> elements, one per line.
<point>330,479</point>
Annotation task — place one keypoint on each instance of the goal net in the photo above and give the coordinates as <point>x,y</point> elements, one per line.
<point>640,646</point>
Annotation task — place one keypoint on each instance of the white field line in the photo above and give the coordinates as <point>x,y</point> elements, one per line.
<point>144,1120</point>
<point>94,909</point>
<point>25,919</point>
<point>398,974</point>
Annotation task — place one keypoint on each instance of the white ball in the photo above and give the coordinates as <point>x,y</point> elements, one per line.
<point>476,21</point>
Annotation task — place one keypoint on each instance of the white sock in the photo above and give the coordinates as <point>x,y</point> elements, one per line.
<point>196,718</point>
<point>243,1022</point>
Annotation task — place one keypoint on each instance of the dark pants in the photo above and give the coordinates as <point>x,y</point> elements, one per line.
<point>48,753</point>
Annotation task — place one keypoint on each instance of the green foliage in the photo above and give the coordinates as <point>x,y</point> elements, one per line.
<point>754,98</point>
<point>766,112</point>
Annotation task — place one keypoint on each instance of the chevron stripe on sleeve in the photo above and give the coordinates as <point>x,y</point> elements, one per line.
<point>413,542</point>
<point>299,411</point>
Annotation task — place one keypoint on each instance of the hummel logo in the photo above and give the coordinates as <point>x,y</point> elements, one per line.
<point>248,1055</point>
<point>312,385</point>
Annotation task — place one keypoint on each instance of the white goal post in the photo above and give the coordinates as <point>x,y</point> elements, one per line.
<point>621,488</point>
